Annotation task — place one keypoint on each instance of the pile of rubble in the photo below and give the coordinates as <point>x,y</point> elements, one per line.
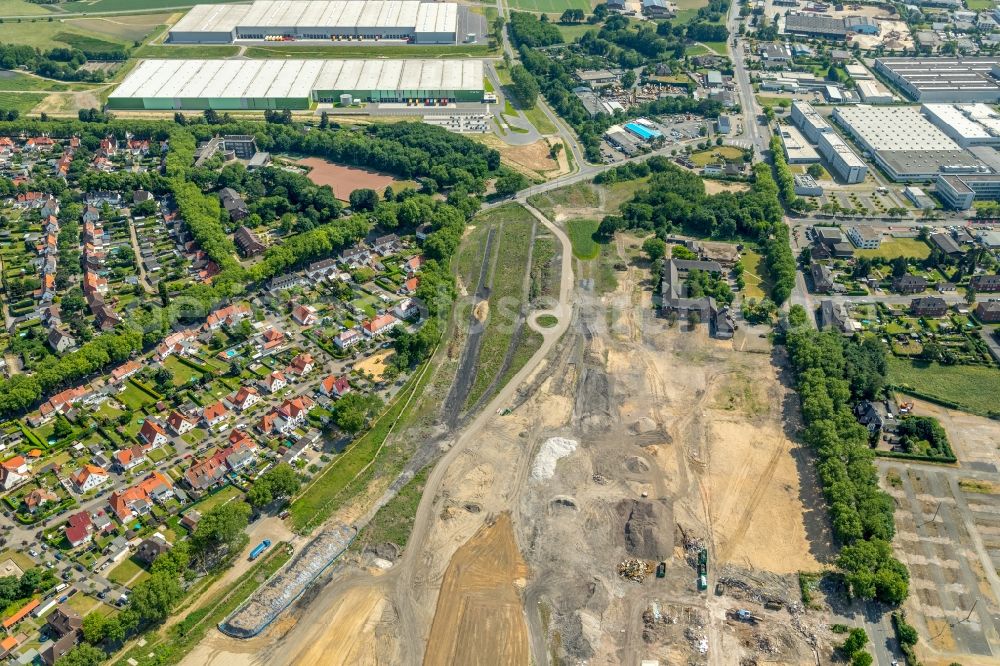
<point>635,570</point>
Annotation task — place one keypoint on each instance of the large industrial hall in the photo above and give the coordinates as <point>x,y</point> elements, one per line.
<point>407,21</point>
<point>295,84</point>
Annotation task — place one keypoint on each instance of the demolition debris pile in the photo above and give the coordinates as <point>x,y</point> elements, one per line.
<point>277,594</point>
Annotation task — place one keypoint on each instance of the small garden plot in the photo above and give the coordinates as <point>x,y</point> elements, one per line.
<point>135,398</point>
<point>128,573</point>
<point>755,285</point>
<point>220,497</point>
<point>183,374</point>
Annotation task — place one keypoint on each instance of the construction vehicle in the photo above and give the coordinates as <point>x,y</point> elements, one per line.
<point>261,547</point>
<point>661,570</point>
<point>703,569</point>
<point>743,615</point>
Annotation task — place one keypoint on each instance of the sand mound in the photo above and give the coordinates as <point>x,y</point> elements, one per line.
<point>644,425</point>
<point>481,311</point>
<point>552,450</point>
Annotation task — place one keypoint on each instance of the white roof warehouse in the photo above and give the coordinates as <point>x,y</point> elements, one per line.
<point>405,20</point>
<point>293,84</point>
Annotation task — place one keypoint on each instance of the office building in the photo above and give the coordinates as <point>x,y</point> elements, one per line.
<point>958,191</point>
<point>797,149</point>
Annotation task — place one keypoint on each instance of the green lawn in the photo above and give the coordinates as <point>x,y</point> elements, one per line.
<point>133,398</point>
<point>718,47</point>
<point>541,122</point>
<point>223,496</point>
<point>573,32</point>
<point>973,387</point>
<point>43,33</point>
<point>126,571</point>
<point>756,286</point>
<point>185,51</point>
<point>577,195</point>
<point>898,247</point>
<point>20,559</point>
<point>979,5</point>
<point>183,373</point>
<point>581,235</point>
<point>550,6</point>
<point>716,154</point>
<point>16,81</point>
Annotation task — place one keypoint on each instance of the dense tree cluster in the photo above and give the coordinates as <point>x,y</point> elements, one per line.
<point>528,30</point>
<point>524,87</point>
<point>862,515</point>
<point>675,200</point>
<point>923,435</point>
<point>279,482</point>
<point>786,179</point>
<point>60,63</point>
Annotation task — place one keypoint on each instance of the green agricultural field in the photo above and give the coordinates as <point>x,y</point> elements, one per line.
<point>898,247</point>
<point>974,387</point>
<point>581,235</point>
<point>550,6</point>
<point>93,6</point>
<point>21,102</point>
<point>91,33</point>
<point>21,8</point>
<point>16,81</point>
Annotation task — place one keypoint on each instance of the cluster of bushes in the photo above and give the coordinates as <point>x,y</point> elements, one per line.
<point>634,170</point>
<point>862,515</point>
<point>57,63</point>
<point>924,436</point>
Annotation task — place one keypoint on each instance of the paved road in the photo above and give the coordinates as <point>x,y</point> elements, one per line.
<point>758,135</point>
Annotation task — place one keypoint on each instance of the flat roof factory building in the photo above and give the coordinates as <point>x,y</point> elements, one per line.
<point>944,79</point>
<point>330,20</point>
<point>843,161</point>
<point>904,143</point>
<point>966,124</point>
<point>817,25</point>
<point>294,84</point>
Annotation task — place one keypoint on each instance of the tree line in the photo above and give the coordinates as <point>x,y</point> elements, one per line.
<point>831,372</point>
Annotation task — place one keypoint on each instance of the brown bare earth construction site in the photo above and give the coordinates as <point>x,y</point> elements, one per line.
<point>632,443</point>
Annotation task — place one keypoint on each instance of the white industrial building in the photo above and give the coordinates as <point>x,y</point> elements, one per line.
<point>904,143</point>
<point>970,79</point>
<point>328,20</point>
<point>295,84</point>
<point>966,124</point>
<point>960,190</point>
<point>843,161</point>
<point>797,149</point>
<point>873,92</point>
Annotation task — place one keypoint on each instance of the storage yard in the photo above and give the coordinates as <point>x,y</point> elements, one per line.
<point>294,84</point>
<point>408,21</point>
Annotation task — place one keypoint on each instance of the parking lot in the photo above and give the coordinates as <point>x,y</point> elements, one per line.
<point>948,533</point>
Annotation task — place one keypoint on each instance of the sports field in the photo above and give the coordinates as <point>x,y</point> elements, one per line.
<point>550,6</point>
